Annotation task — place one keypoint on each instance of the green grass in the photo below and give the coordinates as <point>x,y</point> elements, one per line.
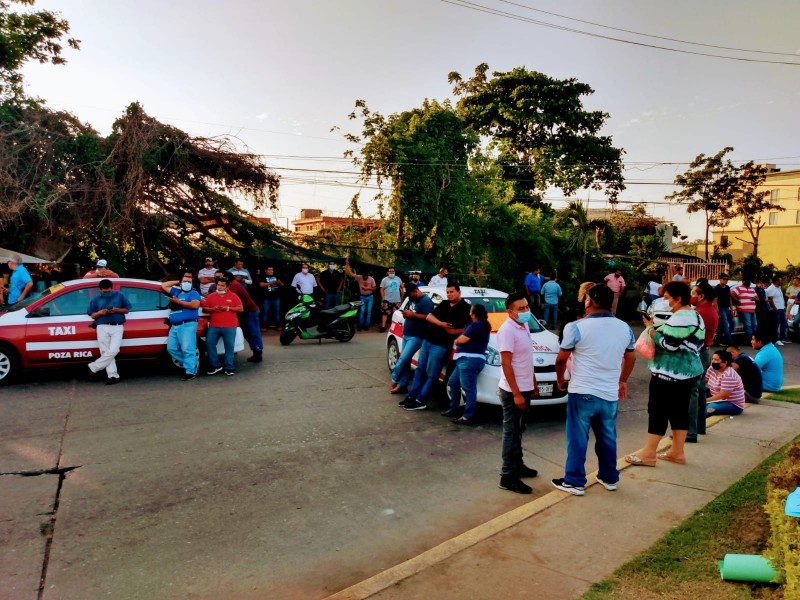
<point>788,395</point>
<point>734,522</point>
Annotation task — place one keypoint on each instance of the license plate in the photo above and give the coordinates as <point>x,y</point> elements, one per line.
<point>545,389</point>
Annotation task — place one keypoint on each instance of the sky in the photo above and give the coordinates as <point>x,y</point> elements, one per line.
<point>277,76</point>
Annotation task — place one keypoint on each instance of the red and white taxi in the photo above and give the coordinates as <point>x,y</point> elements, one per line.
<point>544,343</point>
<point>51,328</point>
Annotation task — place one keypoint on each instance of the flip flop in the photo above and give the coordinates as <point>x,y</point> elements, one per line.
<point>667,457</point>
<point>638,461</point>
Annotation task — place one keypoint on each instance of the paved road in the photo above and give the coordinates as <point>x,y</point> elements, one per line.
<point>294,479</point>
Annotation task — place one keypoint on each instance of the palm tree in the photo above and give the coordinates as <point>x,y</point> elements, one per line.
<point>581,230</point>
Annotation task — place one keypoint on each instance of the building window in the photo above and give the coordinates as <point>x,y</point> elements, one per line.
<point>797,217</point>
<point>773,196</point>
<point>723,241</point>
<point>773,218</point>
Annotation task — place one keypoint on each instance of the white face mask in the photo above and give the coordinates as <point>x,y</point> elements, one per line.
<point>304,270</point>
<point>186,286</point>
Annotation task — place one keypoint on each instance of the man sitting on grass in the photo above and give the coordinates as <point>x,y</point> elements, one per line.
<point>769,360</point>
<point>748,370</point>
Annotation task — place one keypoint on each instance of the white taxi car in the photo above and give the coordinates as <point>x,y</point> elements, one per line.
<point>544,343</point>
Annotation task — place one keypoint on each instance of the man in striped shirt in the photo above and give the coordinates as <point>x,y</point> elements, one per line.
<point>744,297</point>
<point>725,388</point>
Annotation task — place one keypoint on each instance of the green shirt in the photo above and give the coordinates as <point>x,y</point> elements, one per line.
<point>678,342</point>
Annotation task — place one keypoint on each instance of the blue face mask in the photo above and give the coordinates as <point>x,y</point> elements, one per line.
<point>332,267</point>
<point>391,275</point>
<point>186,286</point>
<point>524,317</point>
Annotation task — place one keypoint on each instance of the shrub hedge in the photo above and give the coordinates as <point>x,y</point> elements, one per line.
<point>784,543</point>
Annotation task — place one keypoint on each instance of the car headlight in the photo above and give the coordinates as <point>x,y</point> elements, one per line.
<point>492,357</point>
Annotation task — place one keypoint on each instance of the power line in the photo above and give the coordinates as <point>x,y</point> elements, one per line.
<point>652,35</point>
<point>515,17</point>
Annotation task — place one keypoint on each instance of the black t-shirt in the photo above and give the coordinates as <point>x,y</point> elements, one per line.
<point>457,316</point>
<point>751,375</point>
<point>723,296</point>
<point>330,280</point>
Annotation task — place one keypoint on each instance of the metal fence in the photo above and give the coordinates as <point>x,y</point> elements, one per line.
<point>695,270</point>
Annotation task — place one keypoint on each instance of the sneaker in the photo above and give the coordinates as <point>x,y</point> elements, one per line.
<point>112,381</point>
<point>406,401</point>
<point>189,376</point>
<point>279,328</point>
<point>257,357</point>
<point>382,329</point>
<point>512,484</point>
<point>562,485</point>
<point>787,341</point>
<point>449,413</point>
<point>525,471</point>
<point>779,343</point>
<point>230,373</point>
<point>609,486</point>
<point>416,405</point>
<point>213,370</point>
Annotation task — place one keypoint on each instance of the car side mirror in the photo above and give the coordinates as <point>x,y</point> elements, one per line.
<point>42,311</point>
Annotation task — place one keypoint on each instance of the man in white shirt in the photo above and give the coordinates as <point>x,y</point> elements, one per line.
<point>439,280</point>
<point>517,386</point>
<point>602,360</point>
<point>304,282</point>
<point>777,305</point>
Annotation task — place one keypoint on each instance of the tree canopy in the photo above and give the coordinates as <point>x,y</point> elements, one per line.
<point>541,132</point>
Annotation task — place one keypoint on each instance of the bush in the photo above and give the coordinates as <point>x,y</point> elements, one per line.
<point>784,543</point>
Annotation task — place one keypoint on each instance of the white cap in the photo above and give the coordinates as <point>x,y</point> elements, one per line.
<point>102,263</point>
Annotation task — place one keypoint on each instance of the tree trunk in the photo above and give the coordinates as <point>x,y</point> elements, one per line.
<point>708,228</point>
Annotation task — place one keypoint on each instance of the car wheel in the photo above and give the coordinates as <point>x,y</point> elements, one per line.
<point>200,353</point>
<point>287,337</point>
<point>347,334</point>
<point>9,364</point>
<point>392,354</point>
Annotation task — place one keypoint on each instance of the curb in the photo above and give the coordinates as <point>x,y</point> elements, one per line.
<point>394,575</point>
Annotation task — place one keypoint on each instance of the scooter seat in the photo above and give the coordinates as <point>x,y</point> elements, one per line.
<point>331,314</point>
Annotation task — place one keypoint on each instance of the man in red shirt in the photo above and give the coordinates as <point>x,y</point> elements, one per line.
<point>703,301</point>
<point>223,307</point>
<point>249,319</point>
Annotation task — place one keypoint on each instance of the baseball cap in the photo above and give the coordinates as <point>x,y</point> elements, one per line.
<point>102,263</point>
<point>601,295</point>
<point>208,258</point>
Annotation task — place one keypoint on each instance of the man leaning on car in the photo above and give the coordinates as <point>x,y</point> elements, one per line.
<point>108,309</point>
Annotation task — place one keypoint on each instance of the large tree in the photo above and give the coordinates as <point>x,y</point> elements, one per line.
<point>706,187</point>
<point>422,153</point>
<point>749,203</point>
<point>540,131</point>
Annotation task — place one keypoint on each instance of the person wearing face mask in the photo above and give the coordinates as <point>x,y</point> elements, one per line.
<point>182,340</point>
<point>304,282</point>
<point>223,306</point>
<point>108,309</point>
<point>331,283</point>
<point>391,295</point>
<point>725,387</point>
<point>674,369</point>
<point>516,388</point>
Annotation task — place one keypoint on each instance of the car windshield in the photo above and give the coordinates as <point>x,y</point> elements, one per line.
<point>31,299</point>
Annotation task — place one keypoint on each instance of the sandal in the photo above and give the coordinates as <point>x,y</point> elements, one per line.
<point>668,458</point>
<point>638,461</point>
<point>463,421</point>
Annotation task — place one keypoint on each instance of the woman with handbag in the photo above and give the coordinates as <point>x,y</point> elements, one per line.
<point>674,370</point>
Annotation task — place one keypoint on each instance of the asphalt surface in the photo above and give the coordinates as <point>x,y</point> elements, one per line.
<point>296,478</point>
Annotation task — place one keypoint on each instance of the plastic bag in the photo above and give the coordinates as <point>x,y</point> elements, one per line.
<point>645,345</point>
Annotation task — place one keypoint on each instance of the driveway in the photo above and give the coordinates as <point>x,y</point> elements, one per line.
<point>294,479</point>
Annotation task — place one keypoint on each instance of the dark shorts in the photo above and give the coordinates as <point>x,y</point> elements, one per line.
<point>388,308</point>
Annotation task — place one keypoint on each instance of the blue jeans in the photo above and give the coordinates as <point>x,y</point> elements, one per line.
<point>431,359</point>
<point>551,315</point>
<point>182,345</point>
<point>228,335</point>
<point>365,312</point>
<point>783,325</point>
<point>513,425</point>
<point>722,407</point>
<point>465,377</point>
<point>272,307</point>
<point>585,412</point>
<point>727,323</point>
<point>331,300</point>
<point>749,324</point>
<point>402,370</point>
<point>796,323</point>
<point>252,331</point>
